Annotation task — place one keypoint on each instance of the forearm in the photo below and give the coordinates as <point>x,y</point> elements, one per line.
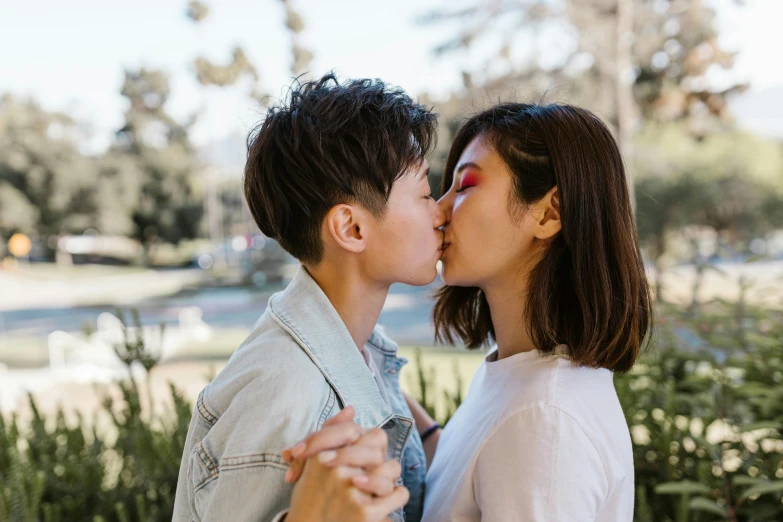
<point>423,421</point>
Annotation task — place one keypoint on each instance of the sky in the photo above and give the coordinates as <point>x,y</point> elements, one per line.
<point>71,55</point>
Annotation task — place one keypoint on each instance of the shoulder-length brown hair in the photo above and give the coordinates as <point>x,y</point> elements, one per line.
<point>589,290</point>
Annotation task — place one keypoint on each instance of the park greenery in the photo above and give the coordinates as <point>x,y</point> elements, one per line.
<point>704,406</point>
<point>704,403</point>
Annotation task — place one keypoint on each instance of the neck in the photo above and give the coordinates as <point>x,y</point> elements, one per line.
<point>507,298</point>
<point>357,300</point>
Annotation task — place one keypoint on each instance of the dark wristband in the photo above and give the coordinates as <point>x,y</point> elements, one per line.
<point>429,431</point>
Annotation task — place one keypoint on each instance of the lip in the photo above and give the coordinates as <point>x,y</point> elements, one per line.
<point>444,246</point>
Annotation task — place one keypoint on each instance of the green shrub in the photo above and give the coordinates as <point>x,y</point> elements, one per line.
<point>124,471</point>
<point>704,404</point>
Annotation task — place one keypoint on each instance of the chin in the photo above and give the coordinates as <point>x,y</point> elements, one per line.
<point>451,277</point>
<point>423,277</point>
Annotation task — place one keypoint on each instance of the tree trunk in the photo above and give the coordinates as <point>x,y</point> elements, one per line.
<point>624,81</point>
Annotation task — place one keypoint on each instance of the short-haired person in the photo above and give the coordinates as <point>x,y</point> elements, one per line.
<point>337,175</point>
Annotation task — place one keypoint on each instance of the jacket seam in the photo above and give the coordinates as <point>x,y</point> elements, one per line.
<point>241,461</point>
<point>203,411</point>
<point>253,458</point>
<point>206,459</point>
<point>328,407</point>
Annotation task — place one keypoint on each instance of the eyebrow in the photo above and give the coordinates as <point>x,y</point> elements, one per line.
<point>465,165</point>
<point>424,173</point>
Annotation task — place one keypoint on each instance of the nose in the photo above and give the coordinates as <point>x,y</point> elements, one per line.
<point>440,216</point>
<point>444,207</point>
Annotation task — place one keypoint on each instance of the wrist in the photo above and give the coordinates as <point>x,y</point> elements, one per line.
<point>429,431</point>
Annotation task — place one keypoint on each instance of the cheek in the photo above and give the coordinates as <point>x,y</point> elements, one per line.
<point>474,223</point>
<point>409,233</point>
<point>486,240</point>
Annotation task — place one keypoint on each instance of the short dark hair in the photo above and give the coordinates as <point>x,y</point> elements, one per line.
<point>330,143</point>
<point>589,290</point>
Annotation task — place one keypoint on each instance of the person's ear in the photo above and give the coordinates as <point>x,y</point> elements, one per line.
<point>547,212</point>
<point>345,224</point>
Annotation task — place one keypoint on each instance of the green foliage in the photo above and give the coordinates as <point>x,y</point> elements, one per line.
<point>426,380</point>
<point>64,472</point>
<point>134,346</point>
<point>144,186</point>
<point>46,184</point>
<point>705,410</point>
<point>706,420</point>
<point>121,465</point>
<point>157,148</point>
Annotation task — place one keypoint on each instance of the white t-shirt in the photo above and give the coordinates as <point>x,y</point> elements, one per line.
<point>537,439</point>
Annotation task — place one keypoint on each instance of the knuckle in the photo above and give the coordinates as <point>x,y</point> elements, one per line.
<point>347,433</point>
<point>385,487</point>
<point>395,468</point>
<point>380,456</point>
<point>354,496</point>
<point>380,434</point>
<point>340,472</point>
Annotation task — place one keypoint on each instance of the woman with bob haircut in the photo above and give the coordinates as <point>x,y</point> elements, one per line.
<point>541,262</point>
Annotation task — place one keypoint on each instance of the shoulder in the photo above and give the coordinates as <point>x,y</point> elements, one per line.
<point>269,381</point>
<point>547,434</point>
<point>549,463</point>
<point>541,421</point>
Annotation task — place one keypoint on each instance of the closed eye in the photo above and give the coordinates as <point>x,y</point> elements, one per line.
<point>467,181</point>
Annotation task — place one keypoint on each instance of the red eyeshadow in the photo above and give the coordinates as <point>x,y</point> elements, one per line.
<point>468,180</point>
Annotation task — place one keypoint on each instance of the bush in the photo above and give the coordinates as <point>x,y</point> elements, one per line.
<point>704,405</point>
<point>706,420</point>
<point>69,473</point>
<point>124,470</point>
<point>705,409</point>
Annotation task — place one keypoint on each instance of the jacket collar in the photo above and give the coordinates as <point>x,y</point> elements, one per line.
<point>306,313</point>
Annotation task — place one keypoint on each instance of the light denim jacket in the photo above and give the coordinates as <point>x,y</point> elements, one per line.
<point>297,369</point>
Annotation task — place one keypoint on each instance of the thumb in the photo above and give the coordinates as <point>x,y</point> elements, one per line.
<point>294,472</point>
<point>382,506</point>
<point>345,415</point>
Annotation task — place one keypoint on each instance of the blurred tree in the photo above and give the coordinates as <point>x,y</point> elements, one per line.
<point>47,187</point>
<point>730,183</point>
<point>154,149</point>
<point>209,73</point>
<point>579,44</point>
<point>228,75</point>
<point>223,75</point>
<point>197,11</point>
<point>627,60</point>
<point>295,25</point>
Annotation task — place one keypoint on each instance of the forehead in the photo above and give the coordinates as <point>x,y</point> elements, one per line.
<point>415,173</point>
<point>477,149</point>
<point>481,154</point>
<point>413,177</point>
